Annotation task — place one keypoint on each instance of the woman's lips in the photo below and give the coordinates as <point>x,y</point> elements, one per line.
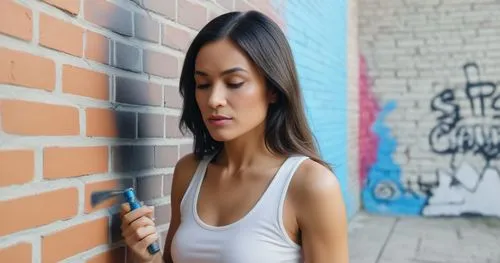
<point>219,120</point>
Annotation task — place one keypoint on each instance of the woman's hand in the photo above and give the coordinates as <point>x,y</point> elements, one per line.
<point>139,231</point>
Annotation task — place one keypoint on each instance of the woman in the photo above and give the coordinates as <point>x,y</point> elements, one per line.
<point>254,189</point>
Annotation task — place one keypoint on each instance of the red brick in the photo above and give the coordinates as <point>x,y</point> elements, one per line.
<point>191,14</point>
<point>18,253</point>
<point>101,122</point>
<point>137,92</point>
<point>109,16</point>
<point>70,6</point>
<point>167,184</point>
<point>97,47</point>
<point>74,240</point>
<point>165,156</point>
<point>79,81</point>
<point>16,20</point>
<point>185,149</point>
<point>101,186</point>
<point>162,214</point>
<point>176,38</point>
<point>261,4</point>
<point>172,127</point>
<point>146,29</point>
<point>23,69</point>
<point>227,4</point>
<point>173,98</point>
<point>115,228</point>
<point>149,187</point>
<point>36,210</point>
<point>34,118</point>
<point>108,123</point>
<point>241,5</point>
<point>150,125</point>
<point>61,162</point>
<point>127,57</point>
<point>160,64</point>
<point>127,158</point>
<point>213,14</point>
<point>16,167</point>
<point>116,255</point>
<point>162,7</point>
<point>60,35</point>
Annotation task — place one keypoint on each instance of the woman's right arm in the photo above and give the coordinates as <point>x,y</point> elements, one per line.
<point>183,173</point>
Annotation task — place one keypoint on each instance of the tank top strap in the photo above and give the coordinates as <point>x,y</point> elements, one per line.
<point>190,193</point>
<point>276,193</point>
<point>288,171</point>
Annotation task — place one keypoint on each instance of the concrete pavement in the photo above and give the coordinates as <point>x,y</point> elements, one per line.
<point>384,239</point>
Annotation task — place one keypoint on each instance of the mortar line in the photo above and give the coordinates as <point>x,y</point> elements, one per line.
<point>387,240</point>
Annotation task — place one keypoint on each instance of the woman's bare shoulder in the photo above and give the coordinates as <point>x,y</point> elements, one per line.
<point>320,213</point>
<point>183,173</point>
<point>315,187</point>
<point>312,176</point>
<point>186,164</point>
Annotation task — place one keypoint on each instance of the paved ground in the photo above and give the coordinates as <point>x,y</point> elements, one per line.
<point>378,239</point>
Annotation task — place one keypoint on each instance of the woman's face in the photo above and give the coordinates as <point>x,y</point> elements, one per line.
<point>230,92</point>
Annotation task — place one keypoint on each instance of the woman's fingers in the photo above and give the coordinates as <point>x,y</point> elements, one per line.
<point>138,229</point>
<point>139,234</point>
<point>124,209</point>
<point>148,240</point>
<point>141,222</point>
<point>131,216</point>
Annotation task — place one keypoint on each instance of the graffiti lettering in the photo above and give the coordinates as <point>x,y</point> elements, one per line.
<point>479,139</point>
<point>496,106</point>
<point>450,111</point>
<point>451,136</point>
<point>476,90</point>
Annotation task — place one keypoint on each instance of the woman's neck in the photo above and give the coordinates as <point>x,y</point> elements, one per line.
<point>244,151</point>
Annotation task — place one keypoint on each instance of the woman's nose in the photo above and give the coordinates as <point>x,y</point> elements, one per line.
<point>217,96</point>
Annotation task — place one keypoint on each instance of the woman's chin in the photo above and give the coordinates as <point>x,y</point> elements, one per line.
<point>221,136</point>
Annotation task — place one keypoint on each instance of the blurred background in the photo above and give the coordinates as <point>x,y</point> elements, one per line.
<point>401,95</point>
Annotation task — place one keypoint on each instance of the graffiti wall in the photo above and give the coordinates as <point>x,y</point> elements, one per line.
<point>470,134</point>
<point>431,144</point>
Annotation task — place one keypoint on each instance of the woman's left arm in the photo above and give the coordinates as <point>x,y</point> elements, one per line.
<point>322,217</point>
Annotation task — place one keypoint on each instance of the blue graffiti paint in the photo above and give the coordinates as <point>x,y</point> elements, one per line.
<point>320,55</point>
<point>384,192</point>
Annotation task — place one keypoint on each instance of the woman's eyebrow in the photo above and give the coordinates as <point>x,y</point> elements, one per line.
<point>225,72</point>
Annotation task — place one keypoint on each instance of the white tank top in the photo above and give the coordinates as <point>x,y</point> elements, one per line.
<point>259,236</point>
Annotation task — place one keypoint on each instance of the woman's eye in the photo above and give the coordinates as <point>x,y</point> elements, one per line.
<point>202,86</point>
<point>235,85</point>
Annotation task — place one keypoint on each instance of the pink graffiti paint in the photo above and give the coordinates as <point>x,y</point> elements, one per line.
<point>369,109</point>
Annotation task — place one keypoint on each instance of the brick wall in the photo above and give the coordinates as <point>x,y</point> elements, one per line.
<point>433,71</point>
<point>353,107</point>
<point>322,61</point>
<point>89,101</point>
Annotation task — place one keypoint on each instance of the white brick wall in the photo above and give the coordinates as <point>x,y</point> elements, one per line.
<point>416,49</point>
<point>353,103</point>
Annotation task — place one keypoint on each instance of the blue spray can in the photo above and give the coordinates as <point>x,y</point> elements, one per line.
<point>134,204</point>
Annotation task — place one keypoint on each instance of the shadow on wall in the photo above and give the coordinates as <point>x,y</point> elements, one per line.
<point>145,105</point>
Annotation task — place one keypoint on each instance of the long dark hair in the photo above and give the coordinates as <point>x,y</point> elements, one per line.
<point>287,131</point>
